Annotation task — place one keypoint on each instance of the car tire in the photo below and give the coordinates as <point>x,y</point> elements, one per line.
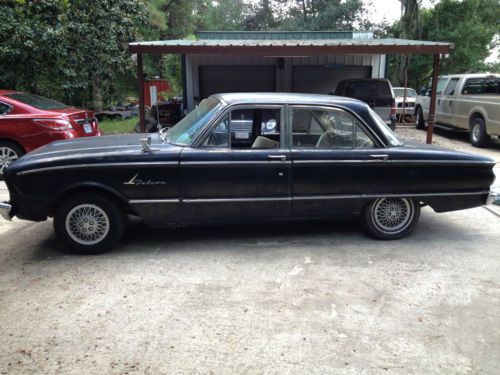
<point>9,152</point>
<point>419,119</point>
<point>89,223</point>
<point>478,135</point>
<point>150,125</point>
<point>390,218</point>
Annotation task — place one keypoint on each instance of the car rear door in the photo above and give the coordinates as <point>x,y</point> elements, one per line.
<point>224,177</point>
<point>336,162</point>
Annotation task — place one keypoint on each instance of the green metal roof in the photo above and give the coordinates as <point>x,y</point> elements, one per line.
<point>282,35</point>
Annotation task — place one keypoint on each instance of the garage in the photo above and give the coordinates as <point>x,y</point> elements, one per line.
<point>218,79</point>
<point>324,79</point>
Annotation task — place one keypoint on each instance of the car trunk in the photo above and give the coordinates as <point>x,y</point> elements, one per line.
<point>83,121</point>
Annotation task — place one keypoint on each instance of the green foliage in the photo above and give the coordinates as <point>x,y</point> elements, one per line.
<point>64,49</point>
<point>118,126</point>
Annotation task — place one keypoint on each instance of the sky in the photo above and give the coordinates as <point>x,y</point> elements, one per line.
<point>390,9</point>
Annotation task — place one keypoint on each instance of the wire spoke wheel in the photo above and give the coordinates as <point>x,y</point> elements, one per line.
<point>87,224</point>
<point>7,157</point>
<point>392,215</point>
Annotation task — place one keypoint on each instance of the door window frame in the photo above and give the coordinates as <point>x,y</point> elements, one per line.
<point>198,143</point>
<point>368,131</point>
<point>453,79</point>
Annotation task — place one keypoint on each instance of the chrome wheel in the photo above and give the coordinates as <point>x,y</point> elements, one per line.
<point>87,224</point>
<point>392,215</point>
<point>7,157</point>
<point>477,132</point>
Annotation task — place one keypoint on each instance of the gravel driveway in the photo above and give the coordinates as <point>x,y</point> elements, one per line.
<point>317,298</point>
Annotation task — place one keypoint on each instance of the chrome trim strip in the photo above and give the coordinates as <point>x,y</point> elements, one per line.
<point>356,196</point>
<point>415,161</point>
<point>219,200</point>
<point>145,201</point>
<point>233,162</point>
<point>104,165</point>
<point>322,161</point>
<point>5,209</point>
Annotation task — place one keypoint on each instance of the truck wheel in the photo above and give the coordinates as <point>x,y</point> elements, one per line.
<point>89,223</point>
<point>390,218</point>
<point>9,152</point>
<point>478,135</point>
<point>419,119</point>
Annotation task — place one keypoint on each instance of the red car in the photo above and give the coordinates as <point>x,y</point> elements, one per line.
<point>28,121</point>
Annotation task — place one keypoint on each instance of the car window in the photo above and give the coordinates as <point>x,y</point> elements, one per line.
<point>450,89</point>
<point>368,88</point>
<point>410,93</point>
<point>481,85</point>
<point>246,128</point>
<point>327,128</point>
<point>4,108</point>
<point>36,101</point>
<point>440,85</point>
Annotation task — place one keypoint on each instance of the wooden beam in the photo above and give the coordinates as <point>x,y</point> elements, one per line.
<point>432,107</point>
<point>140,83</point>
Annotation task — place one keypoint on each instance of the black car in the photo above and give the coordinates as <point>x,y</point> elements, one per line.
<point>304,157</point>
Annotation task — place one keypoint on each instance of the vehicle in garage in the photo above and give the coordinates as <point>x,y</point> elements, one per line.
<point>469,102</point>
<point>28,121</point>
<point>325,157</point>
<point>377,93</point>
<point>404,105</point>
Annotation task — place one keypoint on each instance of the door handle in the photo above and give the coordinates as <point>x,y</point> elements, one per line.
<point>277,157</point>
<point>379,157</point>
<point>451,102</point>
<point>439,101</point>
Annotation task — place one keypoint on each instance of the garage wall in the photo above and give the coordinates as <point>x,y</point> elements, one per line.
<point>371,65</point>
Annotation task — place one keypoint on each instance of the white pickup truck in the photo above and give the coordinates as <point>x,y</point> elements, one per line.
<point>469,102</point>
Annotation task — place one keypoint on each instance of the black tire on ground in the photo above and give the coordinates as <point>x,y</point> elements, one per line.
<point>419,119</point>
<point>9,152</point>
<point>478,136</point>
<point>89,223</point>
<point>390,218</point>
<point>150,125</point>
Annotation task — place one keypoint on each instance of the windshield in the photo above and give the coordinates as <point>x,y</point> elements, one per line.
<point>37,101</point>
<point>388,133</point>
<point>410,93</point>
<point>190,126</point>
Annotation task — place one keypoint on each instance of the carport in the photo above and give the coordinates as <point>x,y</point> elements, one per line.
<point>310,62</point>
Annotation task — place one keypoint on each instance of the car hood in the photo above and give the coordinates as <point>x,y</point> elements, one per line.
<point>95,150</point>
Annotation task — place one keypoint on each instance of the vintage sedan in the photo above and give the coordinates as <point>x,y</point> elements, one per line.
<point>298,157</point>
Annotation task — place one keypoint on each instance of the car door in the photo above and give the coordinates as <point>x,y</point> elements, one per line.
<point>446,102</point>
<point>441,84</point>
<point>240,168</point>
<point>336,161</point>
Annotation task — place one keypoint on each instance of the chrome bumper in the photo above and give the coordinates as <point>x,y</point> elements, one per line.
<point>5,209</point>
<point>493,198</point>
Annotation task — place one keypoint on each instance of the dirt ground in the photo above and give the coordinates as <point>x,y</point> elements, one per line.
<point>315,298</point>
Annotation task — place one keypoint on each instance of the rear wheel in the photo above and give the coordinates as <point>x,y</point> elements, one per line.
<point>419,119</point>
<point>9,153</point>
<point>89,223</point>
<point>390,218</point>
<point>478,135</point>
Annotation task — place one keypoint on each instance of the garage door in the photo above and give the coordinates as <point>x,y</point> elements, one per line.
<point>324,80</point>
<point>218,79</point>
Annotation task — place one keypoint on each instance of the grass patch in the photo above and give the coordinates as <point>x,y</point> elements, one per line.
<point>118,126</point>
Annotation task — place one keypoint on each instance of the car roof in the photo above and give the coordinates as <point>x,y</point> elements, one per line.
<point>5,92</point>
<point>284,98</point>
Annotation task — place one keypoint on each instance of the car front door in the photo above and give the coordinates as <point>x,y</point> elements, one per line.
<point>336,161</point>
<point>240,168</point>
<point>447,102</point>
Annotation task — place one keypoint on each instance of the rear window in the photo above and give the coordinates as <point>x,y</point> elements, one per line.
<point>410,93</point>
<point>368,88</point>
<point>484,85</point>
<point>37,101</point>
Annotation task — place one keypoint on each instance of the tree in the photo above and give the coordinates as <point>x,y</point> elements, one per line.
<point>68,50</point>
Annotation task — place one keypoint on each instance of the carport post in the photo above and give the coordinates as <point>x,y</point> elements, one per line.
<point>432,107</point>
<point>140,82</point>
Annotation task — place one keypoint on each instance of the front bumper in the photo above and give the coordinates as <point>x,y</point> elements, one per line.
<point>493,198</point>
<point>5,210</point>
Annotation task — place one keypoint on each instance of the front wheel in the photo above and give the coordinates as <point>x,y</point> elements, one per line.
<point>419,119</point>
<point>89,223</point>
<point>390,218</point>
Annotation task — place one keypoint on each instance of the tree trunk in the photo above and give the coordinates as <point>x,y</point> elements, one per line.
<point>97,92</point>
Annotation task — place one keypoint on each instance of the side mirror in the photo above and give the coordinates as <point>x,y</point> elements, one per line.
<point>428,93</point>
